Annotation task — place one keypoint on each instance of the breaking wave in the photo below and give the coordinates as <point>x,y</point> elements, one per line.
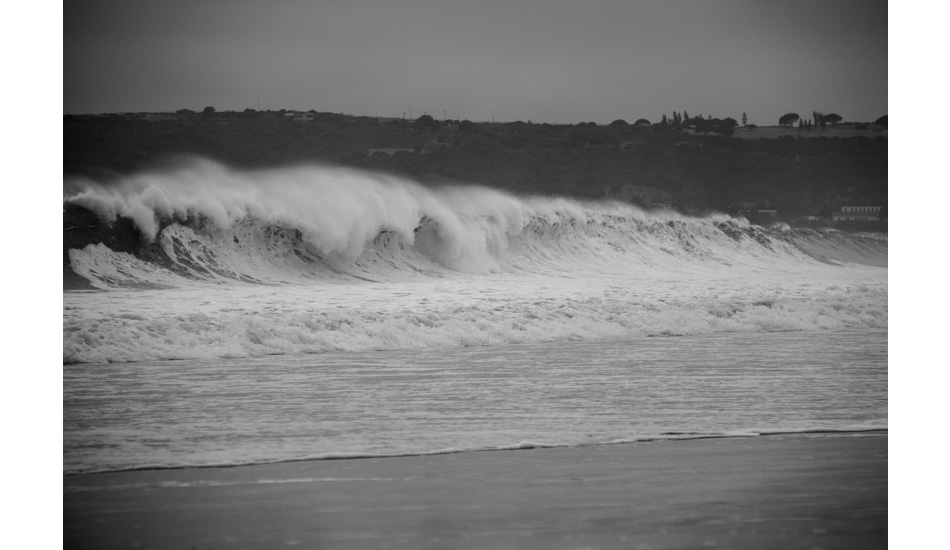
<point>308,229</point>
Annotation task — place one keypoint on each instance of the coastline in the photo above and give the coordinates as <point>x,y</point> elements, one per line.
<point>806,490</point>
<point>525,445</point>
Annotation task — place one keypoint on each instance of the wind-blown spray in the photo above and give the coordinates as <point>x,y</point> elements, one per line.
<point>308,229</point>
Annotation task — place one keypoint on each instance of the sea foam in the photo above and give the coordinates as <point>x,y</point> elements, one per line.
<point>309,259</point>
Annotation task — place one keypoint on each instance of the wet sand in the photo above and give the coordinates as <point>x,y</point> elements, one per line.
<point>791,491</point>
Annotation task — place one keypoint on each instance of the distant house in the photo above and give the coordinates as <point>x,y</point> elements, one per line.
<point>160,116</point>
<point>857,213</point>
<point>299,117</point>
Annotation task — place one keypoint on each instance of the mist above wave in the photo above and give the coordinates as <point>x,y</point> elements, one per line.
<point>335,211</point>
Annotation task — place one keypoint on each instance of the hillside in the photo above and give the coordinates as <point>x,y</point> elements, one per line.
<point>800,174</point>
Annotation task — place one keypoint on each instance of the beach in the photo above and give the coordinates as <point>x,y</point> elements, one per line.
<point>781,491</point>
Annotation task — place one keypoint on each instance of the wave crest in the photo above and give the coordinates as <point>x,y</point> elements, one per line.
<point>205,222</point>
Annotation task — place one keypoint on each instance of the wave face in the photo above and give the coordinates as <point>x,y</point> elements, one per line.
<point>391,255</point>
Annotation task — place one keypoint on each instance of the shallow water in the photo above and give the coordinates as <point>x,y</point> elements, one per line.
<point>231,411</point>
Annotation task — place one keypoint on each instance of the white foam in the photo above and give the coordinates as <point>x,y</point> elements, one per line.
<point>243,321</point>
<point>311,259</point>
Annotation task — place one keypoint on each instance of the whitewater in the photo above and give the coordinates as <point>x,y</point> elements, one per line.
<point>247,316</point>
<point>304,260</point>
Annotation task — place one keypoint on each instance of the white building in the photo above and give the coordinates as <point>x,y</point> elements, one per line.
<point>857,213</point>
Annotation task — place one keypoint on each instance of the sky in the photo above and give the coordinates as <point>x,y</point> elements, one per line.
<point>556,61</point>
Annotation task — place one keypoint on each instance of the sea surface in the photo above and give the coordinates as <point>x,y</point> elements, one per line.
<point>239,317</point>
<point>244,411</point>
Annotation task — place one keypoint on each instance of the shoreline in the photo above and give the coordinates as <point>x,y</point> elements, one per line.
<point>806,490</point>
<point>523,446</point>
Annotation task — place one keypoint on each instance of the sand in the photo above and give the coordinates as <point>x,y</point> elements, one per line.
<point>790,491</point>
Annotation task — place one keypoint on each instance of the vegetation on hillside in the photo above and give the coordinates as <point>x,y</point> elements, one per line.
<point>687,163</point>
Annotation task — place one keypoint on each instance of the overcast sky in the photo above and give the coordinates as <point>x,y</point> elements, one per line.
<point>547,61</point>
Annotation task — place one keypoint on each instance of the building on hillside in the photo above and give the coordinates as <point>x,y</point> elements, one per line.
<point>297,116</point>
<point>152,117</point>
<point>857,214</point>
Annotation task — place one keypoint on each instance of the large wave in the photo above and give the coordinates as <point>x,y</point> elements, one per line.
<point>204,222</point>
<point>515,269</point>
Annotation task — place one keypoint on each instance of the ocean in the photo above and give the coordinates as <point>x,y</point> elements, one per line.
<point>241,317</point>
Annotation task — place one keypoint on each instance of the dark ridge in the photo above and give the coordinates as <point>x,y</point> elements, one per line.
<point>801,177</point>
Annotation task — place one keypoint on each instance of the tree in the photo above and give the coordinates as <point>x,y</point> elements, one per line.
<point>881,121</point>
<point>619,122</point>
<point>745,120</point>
<point>207,111</point>
<point>725,127</point>
<point>833,118</point>
<point>788,119</point>
<point>426,122</point>
<point>642,122</point>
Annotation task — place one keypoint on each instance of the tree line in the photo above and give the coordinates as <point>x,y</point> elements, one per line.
<point>818,119</point>
<point>677,121</point>
<point>708,125</point>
